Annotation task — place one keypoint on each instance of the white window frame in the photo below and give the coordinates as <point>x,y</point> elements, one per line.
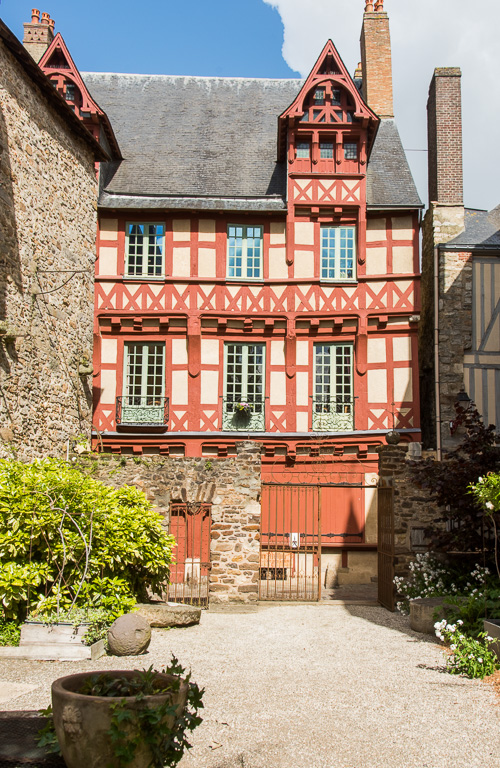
<point>336,262</point>
<point>155,270</point>
<point>242,261</point>
<point>254,419</point>
<point>143,401</point>
<point>333,388</point>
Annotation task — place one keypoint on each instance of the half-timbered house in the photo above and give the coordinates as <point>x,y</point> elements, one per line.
<point>257,279</point>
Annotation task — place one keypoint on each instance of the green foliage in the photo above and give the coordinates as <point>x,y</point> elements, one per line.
<point>129,728</point>
<point>129,550</point>
<point>487,494</point>
<point>469,656</point>
<point>47,735</point>
<point>10,632</point>
<point>98,619</point>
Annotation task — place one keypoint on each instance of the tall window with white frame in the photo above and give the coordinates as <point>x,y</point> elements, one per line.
<point>244,387</point>
<point>145,246</point>
<point>244,252</point>
<point>333,401</point>
<point>143,401</point>
<point>338,253</point>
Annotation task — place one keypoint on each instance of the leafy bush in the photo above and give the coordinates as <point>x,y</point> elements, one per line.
<point>469,656</point>
<point>59,527</point>
<point>10,633</point>
<point>487,494</point>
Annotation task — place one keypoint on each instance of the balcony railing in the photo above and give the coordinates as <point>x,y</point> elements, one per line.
<point>244,415</point>
<point>148,411</point>
<point>332,414</point>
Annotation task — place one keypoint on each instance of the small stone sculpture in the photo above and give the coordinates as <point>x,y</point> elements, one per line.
<point>129,635</point>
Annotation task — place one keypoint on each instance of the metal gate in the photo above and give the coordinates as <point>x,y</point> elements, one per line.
<point>190,525</point>
<point>290,551</point>
<point>386,547</point>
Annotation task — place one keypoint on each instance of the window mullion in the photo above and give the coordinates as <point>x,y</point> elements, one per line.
<point>244,373</point>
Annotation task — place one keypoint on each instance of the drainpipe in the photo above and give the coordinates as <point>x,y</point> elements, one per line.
<point>436,354</point>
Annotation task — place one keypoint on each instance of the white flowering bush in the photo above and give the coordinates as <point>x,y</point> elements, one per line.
<point>468,656</point>
<point>487,494</point>
<point>428,578</point>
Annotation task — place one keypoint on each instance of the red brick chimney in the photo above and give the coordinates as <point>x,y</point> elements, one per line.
<point>376,59</point>
<point>444,129</point>
<point>38,35</point>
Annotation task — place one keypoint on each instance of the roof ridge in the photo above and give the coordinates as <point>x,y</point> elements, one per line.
<point>198,77</point>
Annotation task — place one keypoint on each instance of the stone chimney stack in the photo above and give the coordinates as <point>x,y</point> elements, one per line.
<point>444,129</point>
<point>38,34</point>
<point>376,60</point>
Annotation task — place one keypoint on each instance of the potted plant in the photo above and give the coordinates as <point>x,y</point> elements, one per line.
<point>125,718</point>
<point>243,408</point>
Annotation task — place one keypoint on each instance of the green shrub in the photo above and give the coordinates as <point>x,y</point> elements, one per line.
<point>469,656</point>
<point>10,633</point>
<point>57,525</point>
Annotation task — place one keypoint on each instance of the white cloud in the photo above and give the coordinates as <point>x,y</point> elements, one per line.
<point>425,34</point>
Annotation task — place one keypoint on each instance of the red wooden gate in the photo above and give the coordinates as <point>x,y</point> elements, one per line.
<point>189,573</point>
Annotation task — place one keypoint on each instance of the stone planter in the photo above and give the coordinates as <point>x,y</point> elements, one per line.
<point>492,628</point>
<point>62,641</point>
<point>425,611</point>
<point>82,722</point>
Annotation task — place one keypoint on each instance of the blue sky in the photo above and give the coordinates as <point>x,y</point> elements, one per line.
<point>281,38</point>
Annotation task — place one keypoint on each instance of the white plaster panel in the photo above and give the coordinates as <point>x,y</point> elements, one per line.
<point>302,422</point>
<point>402,228</point>
<point>209,387</point>
<point>181,229</point>
<point>277,394</point>
<point>302,384</point>
<point>179,388</point>
<point>206,262</point>
<point>179,352</point>
<point>376,261</point>
<point>108,229</point>
<point>210,351</point>
<point>304,233</point>
<point>402,259</point>
<point>181,262</point>
<point>375,230</point>
<point>403,385</point>
<point>377,386</point>
<point>108,261</point>
<point>108,386</point>
<point>278,352</point>
<point>302,353</point>
<point>376,350</point>
<point>206,229</point>
<point>278,268</point>
<point>109,350</point>
<point>304,264</point>
<point>401,348</point>
<point>277,233</point>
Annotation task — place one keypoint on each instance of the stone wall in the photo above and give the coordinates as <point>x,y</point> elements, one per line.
<point>231,485</point>
<point>413,511</point>
<point>48,196</point>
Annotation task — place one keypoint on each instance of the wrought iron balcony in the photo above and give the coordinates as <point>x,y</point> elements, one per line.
<point>332,414</point>
<point>137,411</point>
<point>247,415</point>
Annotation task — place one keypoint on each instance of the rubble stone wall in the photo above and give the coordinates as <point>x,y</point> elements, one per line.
<point>231,485</point>
<point>48,222</point>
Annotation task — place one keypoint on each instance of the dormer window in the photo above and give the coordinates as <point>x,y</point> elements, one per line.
<point>326,150</point>
<point>69,91</point>
<point>303,150</point>
<point>336,96</point>
<point>319,97</point>
<point>350,150</point>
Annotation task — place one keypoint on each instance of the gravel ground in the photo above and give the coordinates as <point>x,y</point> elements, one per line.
<point>312,686</point>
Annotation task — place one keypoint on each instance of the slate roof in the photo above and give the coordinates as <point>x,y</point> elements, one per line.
<point>213,140</point>
<point>482,230</point>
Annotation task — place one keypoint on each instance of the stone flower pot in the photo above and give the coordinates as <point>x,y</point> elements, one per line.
<point>81,722</point>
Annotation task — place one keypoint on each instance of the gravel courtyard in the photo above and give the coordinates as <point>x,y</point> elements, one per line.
<point>311,686</point>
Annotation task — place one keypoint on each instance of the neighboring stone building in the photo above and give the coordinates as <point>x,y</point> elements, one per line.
<point>48,202</point>
<point>460,333</point>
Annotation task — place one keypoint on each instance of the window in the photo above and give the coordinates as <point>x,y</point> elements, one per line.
<point>350,150</point>
<point>326,150</point>
<point>143,401</point>
<point>333,404</point>
<point>319,96</point>
<point>145,245</point>
<point>69,91</point>
<point>336,96</point>
<point>244,384</point>
<point>338,253</point>
<point>303,150</point>
<point>244,257</point>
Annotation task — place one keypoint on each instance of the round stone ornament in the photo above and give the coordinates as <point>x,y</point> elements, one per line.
<point>129,635</point>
